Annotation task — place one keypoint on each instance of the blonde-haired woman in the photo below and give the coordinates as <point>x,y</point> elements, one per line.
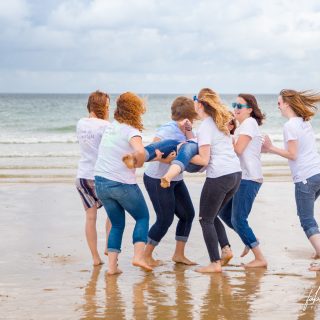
<point>223,172</point>
<point>116,184</point>
<point>304,160</point>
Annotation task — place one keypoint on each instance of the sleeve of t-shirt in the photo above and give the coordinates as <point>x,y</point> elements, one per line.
<point>289,132</point>
<point>204,134</point>
<point>248,128</point>
<point>133,132</point>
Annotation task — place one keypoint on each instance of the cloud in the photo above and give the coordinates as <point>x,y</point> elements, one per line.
<point>159,46</point>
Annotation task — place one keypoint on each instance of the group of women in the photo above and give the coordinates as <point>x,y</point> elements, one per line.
<point>230,156</point>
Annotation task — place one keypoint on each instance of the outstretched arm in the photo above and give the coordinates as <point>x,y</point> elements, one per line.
<point>289,153</point>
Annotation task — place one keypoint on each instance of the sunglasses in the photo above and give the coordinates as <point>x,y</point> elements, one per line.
<point>239,106</point>
<point>195,98</point>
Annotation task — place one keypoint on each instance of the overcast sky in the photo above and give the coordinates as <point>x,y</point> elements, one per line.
<point>159,46</point>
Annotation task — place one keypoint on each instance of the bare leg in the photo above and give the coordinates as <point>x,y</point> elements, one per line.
<point>211,268</point>
<point>173,171</point>
<point>226,255</point>
<point>179,256</point>
<point>315,242</point>
<point>91,234</point>
<point>148,256</point>
<point>113,263</point>
<point>259,260</point>
<point>108,228</point>
<point>139,258</point>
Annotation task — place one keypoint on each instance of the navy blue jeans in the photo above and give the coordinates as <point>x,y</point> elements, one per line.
<point>186,152</point>
<point>236,212</point>
<point>168,202</point>
<point>117,198</point>
<point>306,193</point>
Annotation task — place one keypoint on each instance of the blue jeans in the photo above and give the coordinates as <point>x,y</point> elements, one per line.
<point>236,212</point>
<point>167,203</point>
<point>117,198</point>
<point>186,152</point>
<point>306,193</point>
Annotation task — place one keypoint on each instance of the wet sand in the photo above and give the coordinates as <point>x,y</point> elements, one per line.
<point>46,271</point>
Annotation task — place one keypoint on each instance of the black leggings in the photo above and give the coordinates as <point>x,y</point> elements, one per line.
<point>215,193</point>
<point>167,203</point>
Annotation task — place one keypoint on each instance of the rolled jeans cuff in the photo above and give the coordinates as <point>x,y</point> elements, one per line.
<point>179,163</point>
<point>312,231</point>
<point>180,238</point>
<point>152,242</point>
<point>253,244</point>
<point>114,250</point>
<point>147,155</point>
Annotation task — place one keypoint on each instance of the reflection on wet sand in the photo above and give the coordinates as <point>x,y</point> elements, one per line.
<point>175,294</point>
<point>227,300</point>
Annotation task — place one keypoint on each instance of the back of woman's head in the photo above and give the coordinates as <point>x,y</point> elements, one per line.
<point>216,110</point>
<point>256,111</point>
<point>183,108</point>
<point>129,110</point>
<point>98,103</point>
<point>205,91</point>
<point>303,103</point>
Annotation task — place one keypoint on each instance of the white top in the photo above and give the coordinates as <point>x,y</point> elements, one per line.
<point>158,169</point>
<point>307,163</point>
<point>223,159</point>
<point>114,145</point>
<point>250,159</point>
<point>89,134</point>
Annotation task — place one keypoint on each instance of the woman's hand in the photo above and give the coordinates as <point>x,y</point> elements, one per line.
<point>267,144</point>
<point>169,158</point>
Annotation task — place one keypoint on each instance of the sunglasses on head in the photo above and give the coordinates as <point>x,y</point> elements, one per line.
<point>239,106</point>
<point>195,98</point>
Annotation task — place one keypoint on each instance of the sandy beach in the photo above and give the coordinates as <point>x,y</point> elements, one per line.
<point>46,271</point>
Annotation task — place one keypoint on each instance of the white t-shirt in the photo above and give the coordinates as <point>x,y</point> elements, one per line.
<point>307,163</point>
<point>89,134</point>
<point>158,169</point>
<point>114,145</point>
<point>250,160</point>
<point>223,159</point>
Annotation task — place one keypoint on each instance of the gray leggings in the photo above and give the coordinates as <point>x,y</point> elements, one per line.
<point>215,193</point>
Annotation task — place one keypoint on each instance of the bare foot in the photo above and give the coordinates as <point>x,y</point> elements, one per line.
<point>115,271</point>
<point>165,182</point>
<point>97,262</point>
<point>314,267</point>
<point>183,260</point>
<point>226,255</point>
<point>256,264</point>
<point>152,262</point>
<point>212,267</point>
<point>142,264</point>
<point>129,160</point>
<point>315,256</point>
<point>245,251</point>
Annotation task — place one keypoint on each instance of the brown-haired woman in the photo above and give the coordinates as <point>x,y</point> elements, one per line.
<point>304,160</point>
<point>116,184</point>
<point>248,143</point>
<point>89,133</point>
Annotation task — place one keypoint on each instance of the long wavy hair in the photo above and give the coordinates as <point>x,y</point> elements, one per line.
<point>251,101</point>
<point>303,103</point>
<point>129,110</point>
<point>216,110</point>
<point>98,102</point>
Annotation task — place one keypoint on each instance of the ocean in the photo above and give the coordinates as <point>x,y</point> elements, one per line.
<point>37,131</point>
